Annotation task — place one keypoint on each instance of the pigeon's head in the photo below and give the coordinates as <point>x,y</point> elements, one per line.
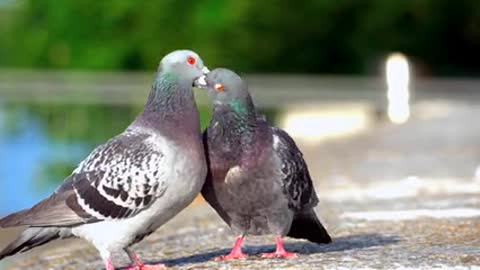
<point>185,63</point>
<point>225,86</point>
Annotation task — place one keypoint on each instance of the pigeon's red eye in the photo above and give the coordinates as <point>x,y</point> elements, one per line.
<point>191,60</point>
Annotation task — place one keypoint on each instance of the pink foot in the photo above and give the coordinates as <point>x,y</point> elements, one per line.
<point>232,256</point>
<point>139,265</point>
<point>148,267</point>
<point>280,252</point>
<point>109,265</point>
<point>236,253</point>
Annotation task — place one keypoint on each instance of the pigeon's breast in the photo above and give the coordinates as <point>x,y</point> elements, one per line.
<point>185,172</point>
<point>186,175</point>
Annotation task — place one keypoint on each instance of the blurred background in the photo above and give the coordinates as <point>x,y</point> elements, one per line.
<point>382,96</point>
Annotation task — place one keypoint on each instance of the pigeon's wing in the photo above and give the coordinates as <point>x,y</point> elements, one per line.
<point>124,177</point>
<point>116,181</point>
<point>296,182</point>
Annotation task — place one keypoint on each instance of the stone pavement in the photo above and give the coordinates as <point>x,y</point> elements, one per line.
<point>195,237</point>
<point>395,197</point>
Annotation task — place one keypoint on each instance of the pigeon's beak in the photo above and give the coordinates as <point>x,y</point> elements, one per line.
<point>200,82</point>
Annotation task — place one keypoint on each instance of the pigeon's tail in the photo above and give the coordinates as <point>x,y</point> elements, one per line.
<point>307,226</point>
<point>13,219</point>
<point>32,237</point>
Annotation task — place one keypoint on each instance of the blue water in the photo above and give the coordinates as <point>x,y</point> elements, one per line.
<point>22,155</point>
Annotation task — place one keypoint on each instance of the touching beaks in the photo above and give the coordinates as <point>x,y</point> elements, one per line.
<point>200,82</point>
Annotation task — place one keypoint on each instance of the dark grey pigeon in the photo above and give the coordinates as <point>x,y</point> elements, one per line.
<point>131,185</point>
<point>258,181</point>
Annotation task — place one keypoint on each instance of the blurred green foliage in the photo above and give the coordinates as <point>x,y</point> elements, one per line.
<point>342,36</point>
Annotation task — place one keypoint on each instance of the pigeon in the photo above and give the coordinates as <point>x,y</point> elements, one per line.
<point>135,182</point>
<point>258,181</point>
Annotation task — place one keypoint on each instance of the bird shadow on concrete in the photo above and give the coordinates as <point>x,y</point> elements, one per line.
<point>344,243</point>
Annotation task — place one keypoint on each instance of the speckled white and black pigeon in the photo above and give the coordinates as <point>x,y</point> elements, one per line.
<point>258,181</point>
<point>135,182</point>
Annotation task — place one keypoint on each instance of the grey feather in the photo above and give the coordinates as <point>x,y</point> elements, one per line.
<point>51,211</point>
<point>258,180</point>
<point>306,225</point>
<point>297,183</point>
<point>128,174</point>
<point>34,237</point>
<point>105,186</point>
<point>118,179</point>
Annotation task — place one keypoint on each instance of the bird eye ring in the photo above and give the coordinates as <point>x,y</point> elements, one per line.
<point>191,60</point>
<point>219,87</point>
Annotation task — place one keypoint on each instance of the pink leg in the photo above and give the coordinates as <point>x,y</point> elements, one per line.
<point>139,265</point>
<point>236,252</point>
<point>280,252</point>
<point>109,265</point>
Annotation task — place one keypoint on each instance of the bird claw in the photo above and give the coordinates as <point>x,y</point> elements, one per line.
<point>280,255</point>
<point>148,267</point>
<point>229,257</point>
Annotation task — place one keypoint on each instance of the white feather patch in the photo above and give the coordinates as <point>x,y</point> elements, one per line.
<point>276,141</point>
<point>233,173</point>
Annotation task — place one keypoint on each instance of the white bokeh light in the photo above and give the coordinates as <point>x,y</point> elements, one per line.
<point>316,123</point>
<point>477,174</point>
<point>398,78</point>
